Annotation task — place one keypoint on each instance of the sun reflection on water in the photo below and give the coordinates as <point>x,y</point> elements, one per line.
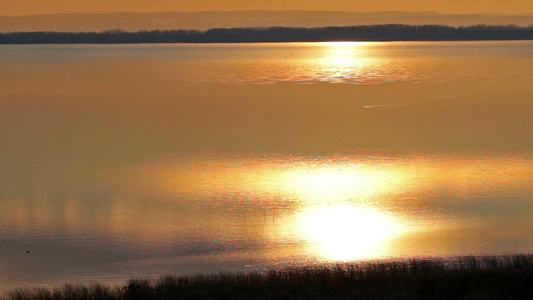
<point>344,54</point>
<point>337,220</point>
<point>340,182</point>
<point>322,208</point>
<point>346,232</point>
<point>342,61</point>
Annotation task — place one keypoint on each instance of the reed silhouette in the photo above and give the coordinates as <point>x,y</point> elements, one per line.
<point>486,277</point>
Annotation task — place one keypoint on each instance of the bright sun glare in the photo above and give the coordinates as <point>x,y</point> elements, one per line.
<point>337,220</point>
<point>339,55</point>
<point>346,232</point>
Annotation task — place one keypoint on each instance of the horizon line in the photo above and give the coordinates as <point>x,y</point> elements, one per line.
<point>276,11</point>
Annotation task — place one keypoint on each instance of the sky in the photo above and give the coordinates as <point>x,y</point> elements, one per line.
<point>28,7</point>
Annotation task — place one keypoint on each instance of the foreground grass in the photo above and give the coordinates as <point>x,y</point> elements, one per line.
<point>486,277</point>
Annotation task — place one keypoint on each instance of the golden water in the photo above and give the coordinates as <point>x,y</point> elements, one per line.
<point>141,160</point>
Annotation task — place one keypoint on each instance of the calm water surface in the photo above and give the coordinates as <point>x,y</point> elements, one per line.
<point>122,161</point>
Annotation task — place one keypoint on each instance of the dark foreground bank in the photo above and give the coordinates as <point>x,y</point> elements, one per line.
<point>388,32</point>
<point>487,277</point>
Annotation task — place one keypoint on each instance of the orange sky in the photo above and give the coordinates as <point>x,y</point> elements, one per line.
<point>25,7</point>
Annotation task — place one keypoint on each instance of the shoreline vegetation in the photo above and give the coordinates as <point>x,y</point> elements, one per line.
<point>473,277</point>
<point>386,32</point>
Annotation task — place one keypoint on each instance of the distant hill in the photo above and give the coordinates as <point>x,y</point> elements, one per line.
<point>205,20</point>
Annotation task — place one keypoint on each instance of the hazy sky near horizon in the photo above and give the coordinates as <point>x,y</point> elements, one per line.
<point>26,7</point>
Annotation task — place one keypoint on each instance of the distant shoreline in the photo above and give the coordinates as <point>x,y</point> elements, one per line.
<point>374,33</point>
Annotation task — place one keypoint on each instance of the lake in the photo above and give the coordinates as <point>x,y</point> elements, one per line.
<point>121,161</point>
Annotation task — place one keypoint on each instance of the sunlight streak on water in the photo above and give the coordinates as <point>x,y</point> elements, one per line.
<point>340,181</point>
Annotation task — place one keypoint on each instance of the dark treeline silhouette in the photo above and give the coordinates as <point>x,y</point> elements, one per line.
<point>389,32</point>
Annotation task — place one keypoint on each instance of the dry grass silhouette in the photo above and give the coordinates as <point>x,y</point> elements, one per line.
<point>485,277</point>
